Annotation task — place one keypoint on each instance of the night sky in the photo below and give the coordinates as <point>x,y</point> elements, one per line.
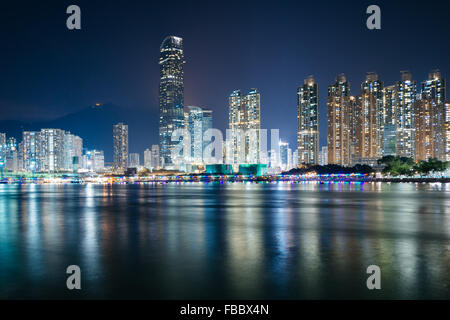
<point>48,71</point>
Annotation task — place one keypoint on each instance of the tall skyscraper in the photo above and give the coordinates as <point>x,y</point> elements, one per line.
<point>389,138</point>
<point>244,122</point>
<point>195,129</point>
<point>120,139</point>
<point>31,156</point>
<point>425,130</point>
<point>354,110</point>
<point>433,91</point>
<point>51,150</point>
<point>207,124</point>
<point>447,130</point>
<point>11,155</point>
<point>284,155</point>
<point>171,94</point>
<point>73,151</point>
<point>308,122</point>
<point>198,120</point>
<point>434,87</point>
<point>370,121</point>
<point>404,116</point>
<point>2,149</point>
<point>338,121</point>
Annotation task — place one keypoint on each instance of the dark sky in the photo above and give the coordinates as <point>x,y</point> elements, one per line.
<point>48,71</point>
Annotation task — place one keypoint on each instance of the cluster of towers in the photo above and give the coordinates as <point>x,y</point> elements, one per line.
<point>381,120</point>
<point>48,151</point>
<point>399,119</point>
<point>244,113</point>
<point>172,113</point>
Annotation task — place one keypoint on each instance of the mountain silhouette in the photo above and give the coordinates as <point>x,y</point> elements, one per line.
<point>94,124</point>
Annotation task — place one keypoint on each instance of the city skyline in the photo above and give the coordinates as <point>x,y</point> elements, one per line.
<point>397,120</point>
<point>227,156</point>
<point>267,56</point>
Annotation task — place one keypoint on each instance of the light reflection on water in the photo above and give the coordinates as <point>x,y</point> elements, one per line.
<point>230,240</point>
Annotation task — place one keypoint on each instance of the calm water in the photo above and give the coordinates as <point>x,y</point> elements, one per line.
<point>236,240</point>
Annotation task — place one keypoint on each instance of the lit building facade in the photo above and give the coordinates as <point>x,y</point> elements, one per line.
<point>120,142</point>
<point>156,159</point>
<point>285,156</point>
<point>94,161</point>
<point>308,122</point>
<point>31,146</point>
<point>2,139</point>
<point>425,130</point>
<point>389,135</point>
<point>433,91</point>
<point>133,160</point>
<point>51,150</point>
<point>338,122</point>
<point>323,156</point>
<point>370,121</point>
<point>171,95</point>
<point>147,159</point>
<point>2,150</point>
<point>243,146</point>
<point>73,151</point>
<point>295,159</point>
<point>198,120</point>
<point>447,130</point>
<point>405,116</point>
<point>207,124</point>
<point>11,155</point>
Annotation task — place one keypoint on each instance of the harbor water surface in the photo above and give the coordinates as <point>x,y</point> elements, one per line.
<point>225,240</point>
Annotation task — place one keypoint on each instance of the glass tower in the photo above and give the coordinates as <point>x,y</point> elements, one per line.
<point>171,94</point>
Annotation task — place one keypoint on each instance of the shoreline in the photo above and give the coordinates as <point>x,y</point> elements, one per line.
<point>226,179</point>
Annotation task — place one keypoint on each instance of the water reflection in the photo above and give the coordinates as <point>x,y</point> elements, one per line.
<point>230,240</point>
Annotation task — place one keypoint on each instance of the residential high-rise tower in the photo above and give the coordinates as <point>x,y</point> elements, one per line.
<point>244,123</point>
<point>120,139</point>
<point>404,116</point>
<point>338,122</point>
<point>308,122</point>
